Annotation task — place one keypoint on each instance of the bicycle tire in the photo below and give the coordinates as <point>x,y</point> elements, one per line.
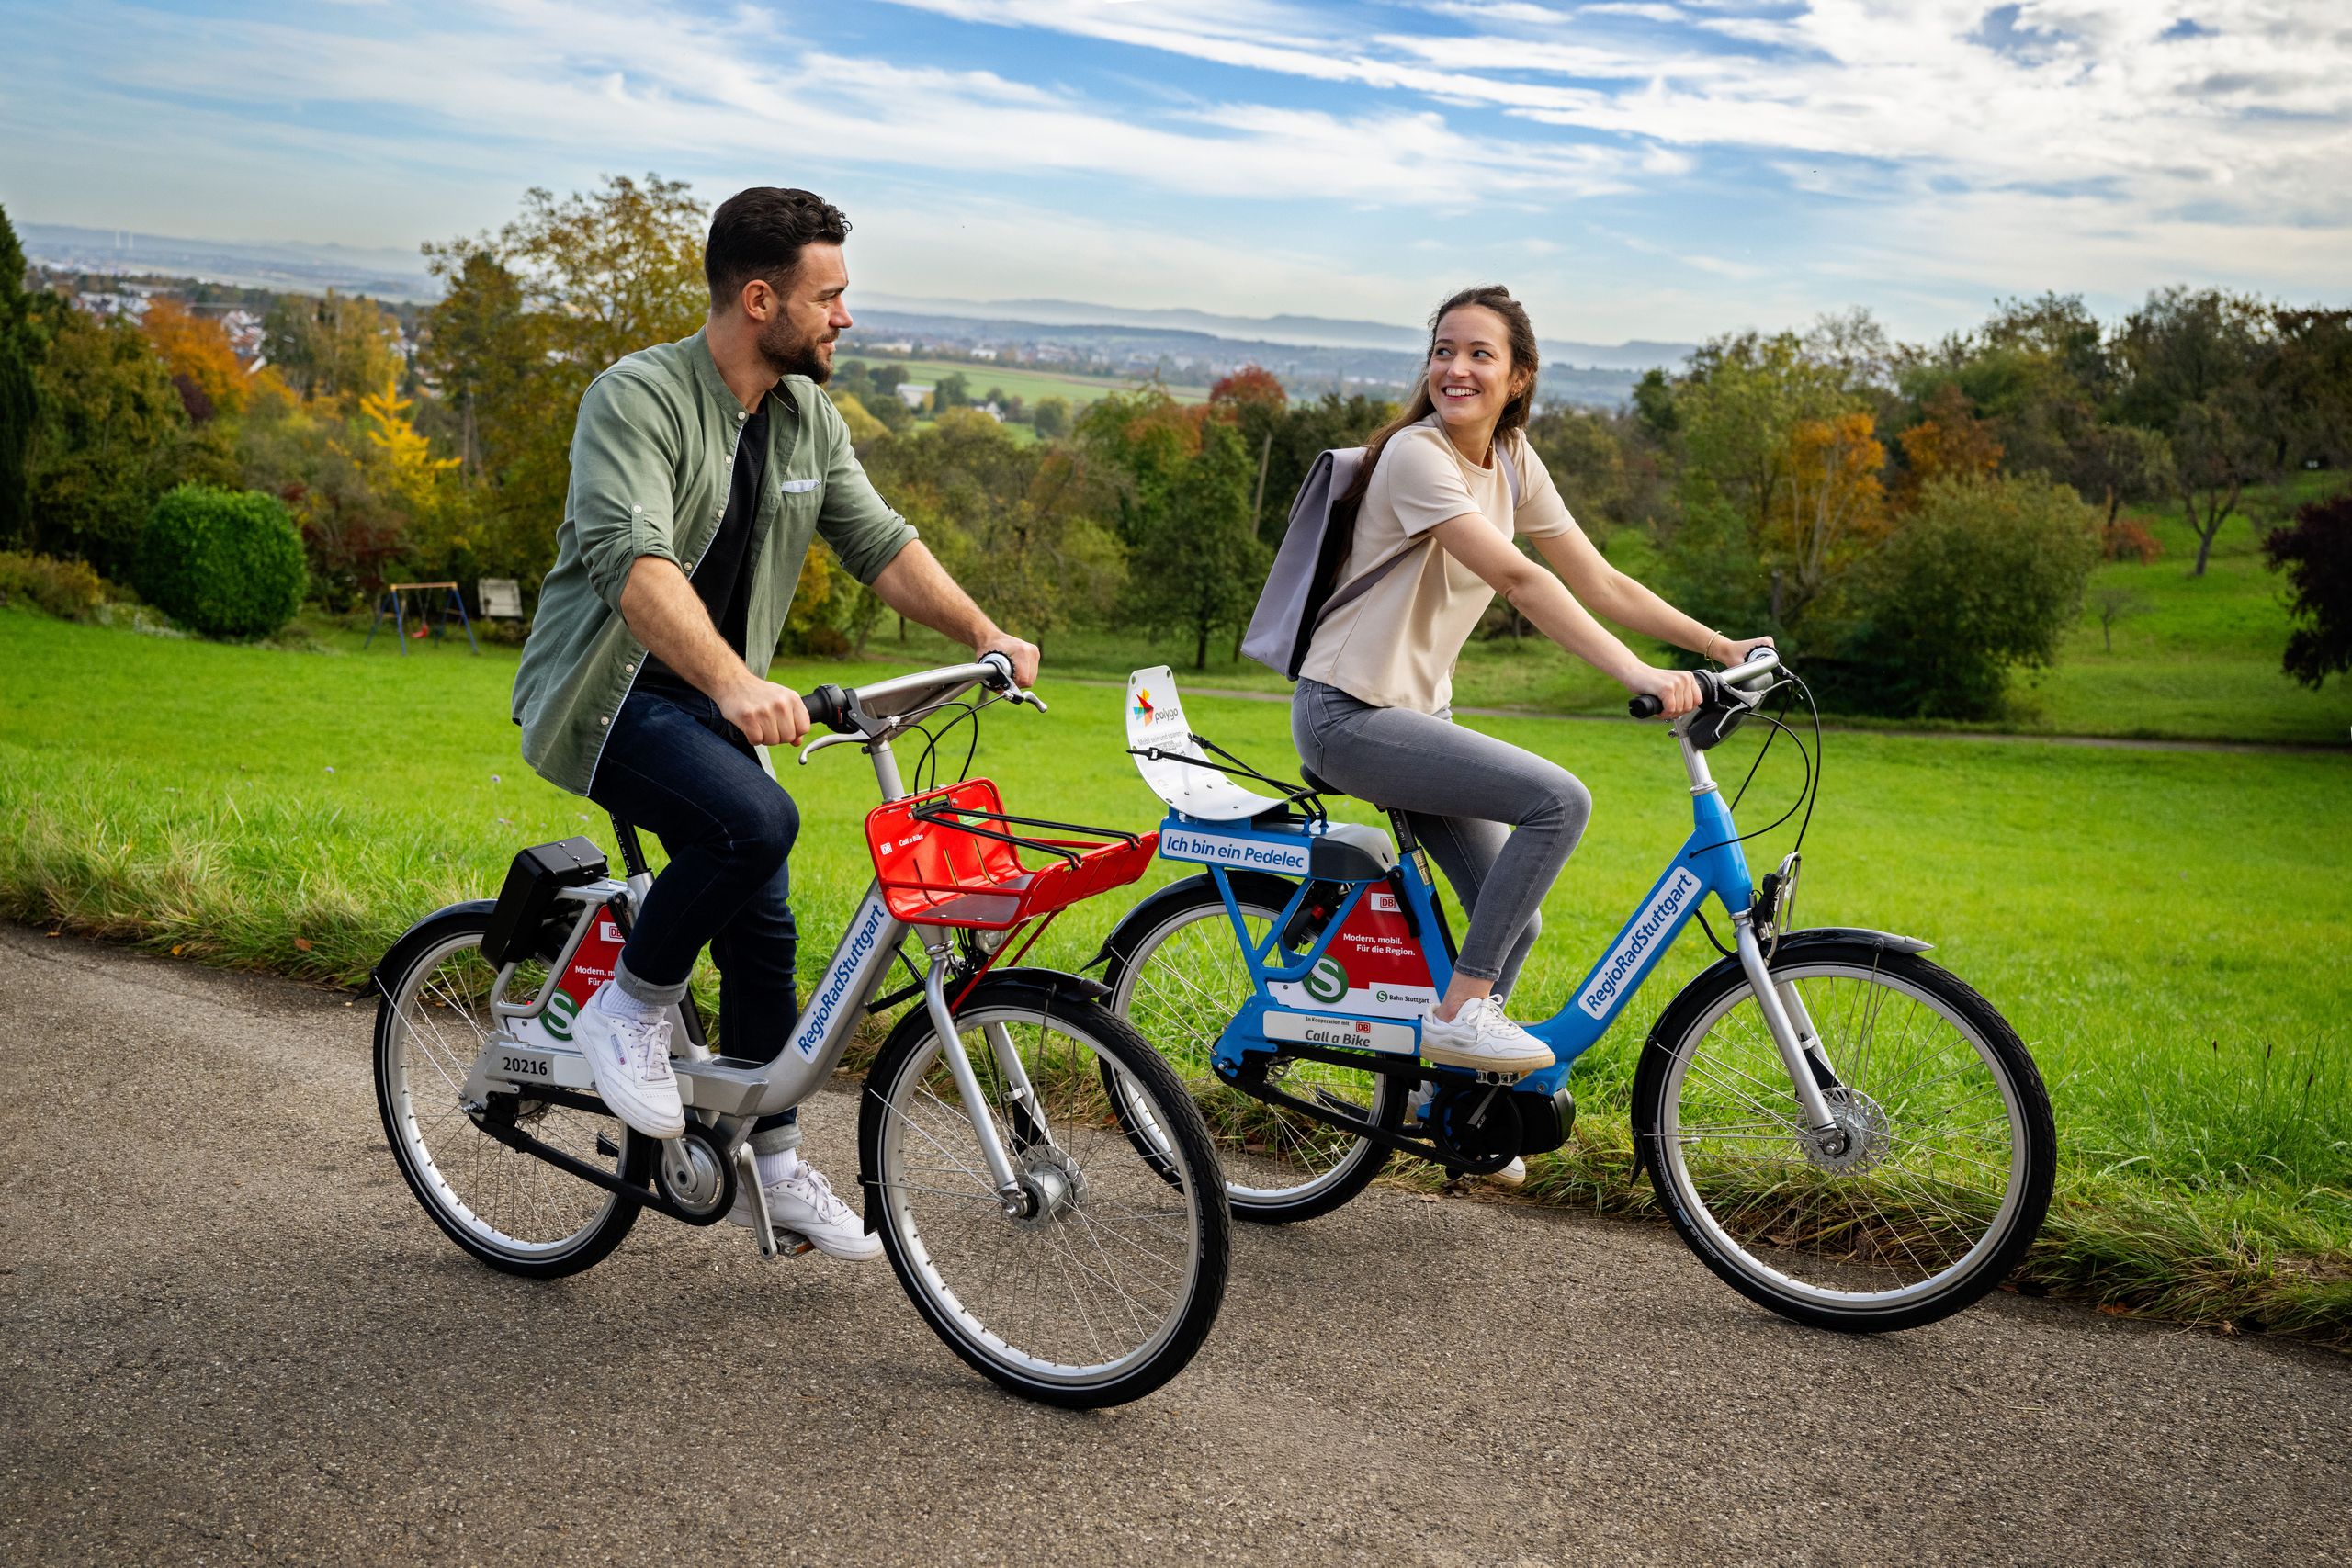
<point>1823,1240</point>
<point>478,1190</point>
<point>1183,930</point>
<point>994,1288</point>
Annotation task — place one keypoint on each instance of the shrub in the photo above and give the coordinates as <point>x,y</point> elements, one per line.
<point>70,590</point>
<point>1987,573</point>
<point>2127,538</point>
<point>2316,556</point>
<point>225,562</point>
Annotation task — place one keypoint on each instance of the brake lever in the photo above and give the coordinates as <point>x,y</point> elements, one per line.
<point>823,741</point>
<point>1032,698</point>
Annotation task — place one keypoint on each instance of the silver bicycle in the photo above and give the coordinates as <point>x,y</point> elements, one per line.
<point>1054,1251</point>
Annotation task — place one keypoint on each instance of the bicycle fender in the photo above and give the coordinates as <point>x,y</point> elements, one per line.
<point>425,931</point>
<point>1272,891</point>
<point>1676,1020</point>
<point>1047,981</point>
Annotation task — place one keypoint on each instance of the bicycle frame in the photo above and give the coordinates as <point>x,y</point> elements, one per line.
<point>1710,864</point>
<point>730,1094</point>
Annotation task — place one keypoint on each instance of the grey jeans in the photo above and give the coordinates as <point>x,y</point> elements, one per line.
<point>1463,793</point>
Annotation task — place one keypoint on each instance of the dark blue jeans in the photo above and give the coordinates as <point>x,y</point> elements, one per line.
<point>677,769</point>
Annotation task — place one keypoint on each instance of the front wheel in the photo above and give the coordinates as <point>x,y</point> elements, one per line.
<point>1925,1198</point>
<point>1104,1282</point>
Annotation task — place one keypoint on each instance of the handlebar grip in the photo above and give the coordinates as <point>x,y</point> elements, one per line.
<point>1003,664</point>
<point>829,705</point>
<point>1645,707</point>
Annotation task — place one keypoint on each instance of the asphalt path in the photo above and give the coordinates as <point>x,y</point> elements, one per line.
<point>231,1336</point>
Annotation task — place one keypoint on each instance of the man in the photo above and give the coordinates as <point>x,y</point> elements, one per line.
<point>700,471</point>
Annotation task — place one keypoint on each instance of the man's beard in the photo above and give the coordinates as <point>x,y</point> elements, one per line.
<point>789,354</point>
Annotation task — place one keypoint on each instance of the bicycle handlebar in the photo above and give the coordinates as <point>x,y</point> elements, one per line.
<point>1762,660</point>
<point>833,708</point>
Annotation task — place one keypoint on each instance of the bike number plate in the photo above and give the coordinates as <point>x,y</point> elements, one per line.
<point>590,966</point>
<point>1373,966</point>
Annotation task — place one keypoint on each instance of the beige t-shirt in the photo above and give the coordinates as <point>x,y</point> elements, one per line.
<point>1395,644</point>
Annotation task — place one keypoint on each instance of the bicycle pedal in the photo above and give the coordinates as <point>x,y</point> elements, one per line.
<point>792,1244</point>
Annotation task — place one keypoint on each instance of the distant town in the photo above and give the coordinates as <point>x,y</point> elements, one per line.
<point>112,274</point>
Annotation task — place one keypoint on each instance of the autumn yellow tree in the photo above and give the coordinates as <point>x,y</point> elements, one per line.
<point>204,367</point>
<point>1832,508</point>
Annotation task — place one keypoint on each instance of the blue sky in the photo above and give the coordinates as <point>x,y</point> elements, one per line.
<point>1634,168</point>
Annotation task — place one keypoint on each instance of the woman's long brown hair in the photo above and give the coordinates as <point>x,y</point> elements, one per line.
<point>1522,332</point>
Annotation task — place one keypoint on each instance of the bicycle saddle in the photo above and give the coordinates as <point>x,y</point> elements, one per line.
<point>1317,781</point>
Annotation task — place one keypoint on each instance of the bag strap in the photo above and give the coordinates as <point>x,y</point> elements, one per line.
<point>1365,581</point>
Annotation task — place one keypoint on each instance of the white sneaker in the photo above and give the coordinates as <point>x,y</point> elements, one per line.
<point>804,1201</point>
<point>629,1058</point>
<point>1512,1175</point>
<point>1481,1038</point>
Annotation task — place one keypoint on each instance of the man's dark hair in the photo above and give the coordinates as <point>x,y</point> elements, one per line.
<point>759,233</point>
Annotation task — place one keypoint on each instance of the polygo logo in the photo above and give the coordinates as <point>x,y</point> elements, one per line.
<point>1144,709</point>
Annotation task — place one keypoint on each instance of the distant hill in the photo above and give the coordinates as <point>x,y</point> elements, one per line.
<point>290,266</point>
<point>1312,331</point>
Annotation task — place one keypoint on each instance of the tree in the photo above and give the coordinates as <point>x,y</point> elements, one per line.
<point>2111,603</point>
<point>479,349</point>
<point>20,403</point>
<point>2120,463</point>
<point>1835,506</point>
<point>557,295</point>
<point>2194,369</point>
<point>196,350</point>
<point>1985,574</point>
<point>1197,564</point>
<point>863,428</point>
<point>2316,557</point>
<point>1051,418</point>
<point>1180,487</point>
<point>2307,381</point>
<point>1949,442</point>
<point>1017,525</point>
<point>337,346</point>
<point>952,391</point>
<point>107,442</point>
<point>1253,400</point>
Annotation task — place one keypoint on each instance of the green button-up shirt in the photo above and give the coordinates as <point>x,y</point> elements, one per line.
<point>652,457</point>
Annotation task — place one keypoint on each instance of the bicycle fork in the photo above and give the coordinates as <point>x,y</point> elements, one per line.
<point>1792,1030</point>
<point>1011,1194</point>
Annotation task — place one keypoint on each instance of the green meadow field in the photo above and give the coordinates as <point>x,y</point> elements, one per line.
<point>2166,929</point>
<point>1022,381</point>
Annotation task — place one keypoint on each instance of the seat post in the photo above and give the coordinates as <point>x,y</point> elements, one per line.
<point>632,849</point>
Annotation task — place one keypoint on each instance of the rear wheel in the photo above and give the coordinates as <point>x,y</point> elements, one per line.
<point>1105,1283</point>
<point>511,1209</point>
<point>1925,1198</point>
<point>1180,980</point>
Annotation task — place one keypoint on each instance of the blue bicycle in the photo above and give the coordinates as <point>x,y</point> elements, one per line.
<point>1841,1130</point>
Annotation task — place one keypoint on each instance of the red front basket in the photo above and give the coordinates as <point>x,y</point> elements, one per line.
<point>952,857</point>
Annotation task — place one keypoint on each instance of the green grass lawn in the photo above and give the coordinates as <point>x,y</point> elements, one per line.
<point>2166,931</point>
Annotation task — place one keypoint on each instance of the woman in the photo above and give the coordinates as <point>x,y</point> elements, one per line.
<point>1442,491</point>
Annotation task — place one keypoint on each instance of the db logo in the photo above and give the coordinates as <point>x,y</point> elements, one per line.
<point>1383,902</point>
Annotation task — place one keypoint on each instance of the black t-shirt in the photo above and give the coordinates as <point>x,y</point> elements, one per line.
<point>720,577</point>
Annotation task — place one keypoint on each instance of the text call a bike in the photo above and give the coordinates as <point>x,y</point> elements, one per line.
<point>1841,1130</point>
<point>1048,1247</point>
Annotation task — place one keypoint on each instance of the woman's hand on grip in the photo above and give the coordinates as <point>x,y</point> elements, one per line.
<point>1676,690</point>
